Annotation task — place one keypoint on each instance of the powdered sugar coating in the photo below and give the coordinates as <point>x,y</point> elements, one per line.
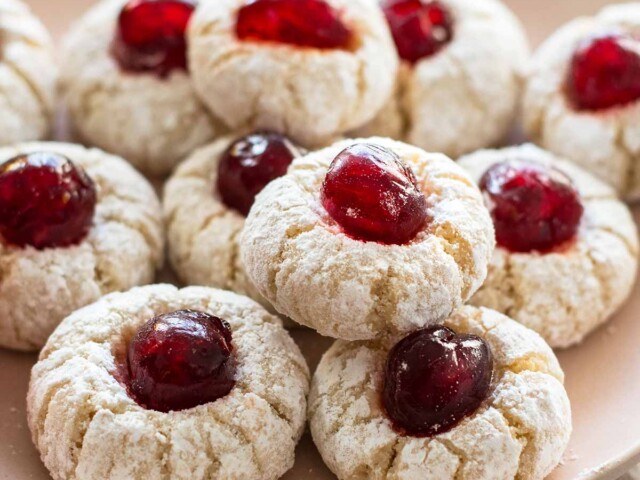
<point>38,288</point>
<point>86,426</point>
<point>27,75</point>
<point>309,94</point>
<point>605,143</point>
<point>465,96</point>
<point>152,122</point>
<point>300,260</point>
<point>519,432</point>
<point>564,295</point>
<point>202,231</point>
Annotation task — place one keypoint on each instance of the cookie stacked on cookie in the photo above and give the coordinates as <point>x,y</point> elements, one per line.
<point>378,244</point>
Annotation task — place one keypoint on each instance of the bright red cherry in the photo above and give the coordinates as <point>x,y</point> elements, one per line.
<point>249,164</point>
<point>420,28</point>
<point>46,201</point>
<point>434,378</point>
<point>605,73</point>
<point>180,360</point>
<point>305,23</point>
<point>151,36</point>
<point>373,195</point>
<point>534,208</point>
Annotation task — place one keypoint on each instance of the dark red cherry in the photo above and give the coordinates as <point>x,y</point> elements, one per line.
<point>304,23</point>
<point>434,378</point>
<point>180,360</point>
<point>150,36</point>
<point>534,208</point>
<point>249,164</point>
<point>46,201</point>
<point>373,195</point>
<point>605,73</point>
<point>420,28</point>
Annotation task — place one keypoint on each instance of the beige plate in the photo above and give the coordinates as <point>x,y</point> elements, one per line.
<point>603,375</point>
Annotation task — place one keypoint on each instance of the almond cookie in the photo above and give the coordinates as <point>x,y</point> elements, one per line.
<point>367,237</point>
<point>458,87</point>
<point>126,83</point>
<point>494,405</point>
<point>312,69</point>
<point>582,93</point>
<point>120,391</point>
<point>567,251</point>
<point>206,201</point>
<point>27,75</point>
<point>75,224</point>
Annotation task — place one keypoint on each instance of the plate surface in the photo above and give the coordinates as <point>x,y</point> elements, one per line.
<point>602,374</point>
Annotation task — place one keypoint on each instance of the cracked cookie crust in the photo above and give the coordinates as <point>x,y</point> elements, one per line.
<point>464,96</point>
<point>520,431</point>
<point>303,263</point>
<point>201,230</point>
<point>86,426</point>
<point>152,122</point>
<point>27,75</point>
<point>123,248</point>
<point>607,143</point>
<point>563,295</point>
<point>310,94</point>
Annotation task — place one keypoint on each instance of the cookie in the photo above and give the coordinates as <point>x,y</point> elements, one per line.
<point>86,424</point>
<point>311,69</point>
<point>460,78</point>
<point>583,108</point>
<point>408,242</point>
<point>519,430</point>
<point>119,99</point>
<point>27,75</point>
<point>75,224</point>
<point>563,288</point>
<point>206,201</point>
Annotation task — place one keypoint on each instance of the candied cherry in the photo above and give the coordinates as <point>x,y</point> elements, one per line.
<point>420,28</point>
<point>534,207</point>
<point>373,195</point>
<point>605,73</point>
<point>434,378</point>
<point>249,164</point>
<point>46,201</point>
<point>304,23</point>
<point>180,360</point>
<point>150,36</point>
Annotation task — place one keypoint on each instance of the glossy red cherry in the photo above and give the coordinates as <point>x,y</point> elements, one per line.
<point>151,36</point>
<point>373,195</point>
<point>434,378</point>
<point>180,360</point>
<point>533,207</point>
<point>605,73</point>
<point>304,23</point>
<point>420,28</point>
<point>45,201</point>
<point>249,164</point>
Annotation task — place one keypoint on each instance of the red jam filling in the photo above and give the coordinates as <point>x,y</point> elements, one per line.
<point>435,378</point>
<point>180,360</point>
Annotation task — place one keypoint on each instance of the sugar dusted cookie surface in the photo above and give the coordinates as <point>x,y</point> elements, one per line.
<point>122,249</point>
<point>520,431</point>
<point>604,141</point>
<point>153,122</point>
<point>463,96</point>
<point>312,94</point>
<point>202,230</point>
<point>563,294</point>
<point>301,260</point>
<point>85,424</point>
<point>27,75</point>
